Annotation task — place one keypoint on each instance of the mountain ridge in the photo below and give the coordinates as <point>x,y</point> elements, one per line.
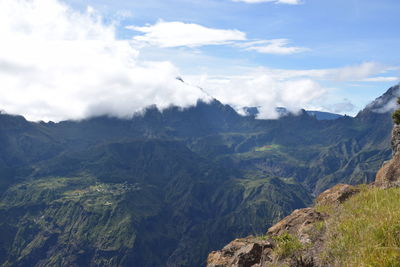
<point>176,179</point>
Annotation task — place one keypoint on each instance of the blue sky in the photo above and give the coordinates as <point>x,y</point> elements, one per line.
<point>327,55</point>
<point>336,34</point>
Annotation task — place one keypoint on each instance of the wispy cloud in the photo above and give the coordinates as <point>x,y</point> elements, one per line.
<point>366,71</point>
<point>274,46</point>
<point>289,2</point>
<point>176,34</point>
<point>381,79</point>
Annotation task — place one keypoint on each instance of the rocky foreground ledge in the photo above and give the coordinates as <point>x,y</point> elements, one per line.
<point>302,225</point>
<point>298,239</point>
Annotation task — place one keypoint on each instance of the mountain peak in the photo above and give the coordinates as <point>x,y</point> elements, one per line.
<point>386,102</point>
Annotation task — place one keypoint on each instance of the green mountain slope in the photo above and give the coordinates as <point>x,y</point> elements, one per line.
<point>137,202</point>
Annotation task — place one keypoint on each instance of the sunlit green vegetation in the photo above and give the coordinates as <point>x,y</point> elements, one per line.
<point>366,230</point>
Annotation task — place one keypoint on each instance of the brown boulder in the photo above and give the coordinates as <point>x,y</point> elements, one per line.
<point>336,195</point>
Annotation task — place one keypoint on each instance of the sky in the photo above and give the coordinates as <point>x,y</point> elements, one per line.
<point>72,59</point>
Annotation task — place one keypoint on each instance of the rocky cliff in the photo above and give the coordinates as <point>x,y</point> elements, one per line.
<point>326,234</point>
<point>388,175</point>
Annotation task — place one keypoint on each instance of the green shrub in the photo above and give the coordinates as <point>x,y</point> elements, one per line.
<point>396,114</point>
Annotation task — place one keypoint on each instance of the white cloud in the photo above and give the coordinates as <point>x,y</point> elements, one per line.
<point>290,2</point>
<point>258,89</point>
<point>176,34</point>
<point>274,46</point>
<point>56,63</point>
<point>293,89</point>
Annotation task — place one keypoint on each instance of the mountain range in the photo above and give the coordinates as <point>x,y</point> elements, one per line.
<point>164,188</point>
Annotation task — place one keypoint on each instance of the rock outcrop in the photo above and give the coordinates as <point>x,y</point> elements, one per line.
<point>336,195</point>
<point>389,174</point>
<point>305,226</point>
<point>245,252</point>
<point>299,224</point>
<point>395,139</point>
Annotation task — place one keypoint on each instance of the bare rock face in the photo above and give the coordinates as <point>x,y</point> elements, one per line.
<point>336,195</point>
<point>258,252</point>
<point>299,224</point>
<point>396,139</point>
<point>389,174</point>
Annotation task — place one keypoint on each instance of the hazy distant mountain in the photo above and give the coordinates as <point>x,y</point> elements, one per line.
<point>165,188</point>
<point>319,115</point>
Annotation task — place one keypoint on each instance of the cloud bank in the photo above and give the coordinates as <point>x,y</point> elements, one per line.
<point>294,89</point>
<point>57,63</point>
<point>263,91</point>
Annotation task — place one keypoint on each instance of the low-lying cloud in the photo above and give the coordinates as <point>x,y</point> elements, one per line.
<point>294,89</point>
<point>263,91</point>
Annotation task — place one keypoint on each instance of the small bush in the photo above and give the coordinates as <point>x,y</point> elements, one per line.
<point>396,114</point>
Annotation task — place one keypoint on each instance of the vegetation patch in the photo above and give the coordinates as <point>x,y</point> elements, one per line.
<point>366,230</point>
<point>267,148</point>
<point>287,246</point>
